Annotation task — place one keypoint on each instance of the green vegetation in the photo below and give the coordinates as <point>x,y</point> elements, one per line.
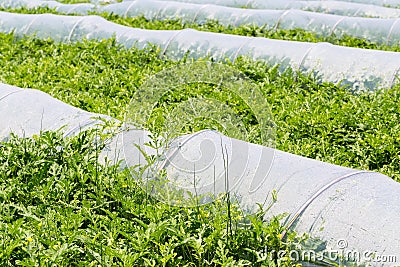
<point>320,121</point>
<point>58,207</point>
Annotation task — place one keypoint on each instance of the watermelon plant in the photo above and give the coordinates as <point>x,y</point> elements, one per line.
<point>60,207</point>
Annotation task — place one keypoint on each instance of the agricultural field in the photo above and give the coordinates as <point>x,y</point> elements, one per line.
<point>63,208</point>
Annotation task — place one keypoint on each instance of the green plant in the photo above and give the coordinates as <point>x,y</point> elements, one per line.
<point>316,120</point>
<point>60,207</point>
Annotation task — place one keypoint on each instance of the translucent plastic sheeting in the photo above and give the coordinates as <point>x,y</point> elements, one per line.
<point>13,118</point>
<point>360,69</point>
<point>264,3</point>
<point>98,2</point>
<point>384,31</point>
<point>373,2</point>
<point>376,30</point>
<point>330,7</point>
<point>349,211</point>
<point>127,8</point>
<point>82,8</point>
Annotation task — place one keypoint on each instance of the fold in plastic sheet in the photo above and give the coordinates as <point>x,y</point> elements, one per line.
<point>360,69</point>
<point>328,202</point>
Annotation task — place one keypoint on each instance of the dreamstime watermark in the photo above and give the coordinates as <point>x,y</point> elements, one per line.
<point>178,102</point>
<point>341,254</point>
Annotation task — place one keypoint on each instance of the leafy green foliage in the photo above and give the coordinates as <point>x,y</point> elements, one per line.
<point>329,123</point>
<point>58,206</point>
<point>315,120</point>
<point>69,72</point>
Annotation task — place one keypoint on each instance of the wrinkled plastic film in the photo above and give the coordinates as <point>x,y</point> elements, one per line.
<point>326,201</point>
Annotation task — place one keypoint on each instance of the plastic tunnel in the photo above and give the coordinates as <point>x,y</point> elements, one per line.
<point>262,3</point>
<point>328,202</point>
<point>381,31</point>
<point>331,7</point>
<point>127,8</point>
<point>374,2</point>
<point>385,31</point>
<point>359,69</point>
<point>82,8</point>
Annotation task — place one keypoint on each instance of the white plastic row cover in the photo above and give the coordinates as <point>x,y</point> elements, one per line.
<point>330,7</point>
<point>81,8</point>
<point>261,4</point>
<point>326,201</point>
<point>395,3</point>
<point>384,31</point>
<point>360,69</point>
<point>381,31</point>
